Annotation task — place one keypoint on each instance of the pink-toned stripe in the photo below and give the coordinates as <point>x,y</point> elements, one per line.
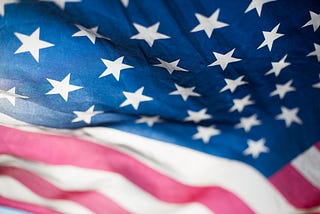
<point>296,189</point>
<point>317,145</point>
<point>94,201</point>
<point>63,150</point>
<point>26,206</point>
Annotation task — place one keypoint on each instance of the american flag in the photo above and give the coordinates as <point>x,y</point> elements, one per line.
<point>178,107</point>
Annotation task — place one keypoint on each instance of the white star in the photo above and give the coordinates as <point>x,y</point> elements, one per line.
<point>270,37</point>
<point>248,122</point>
<point>125,2</point>
<point>184,92</point>
<point>205,133</point>
<point>257,4</point>
<point>85,116</point>
<point>114,67</point>
<point>278,66</point>
<point>149,120</point>
<point>208,24</point>
<point>135,98</point>
<point>170,66</point>
<point>317,85</point>
<point>11,95</point>
<point>62,87</point>
<point>91,33</point>
<point>255,148</point>
<point>197,116</point>
<point>224,59</point>
<point>32,44</point>
<point>61,3</point>
<point>3,3</point>
<point>289,116</point>
<point>316,51</point>
<point>149,34</point>
<point>282,90</point>
<point>240,104</point>
<point>233,84</point>
<point>314,21</point>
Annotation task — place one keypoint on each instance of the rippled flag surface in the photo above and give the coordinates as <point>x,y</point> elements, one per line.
<point>160,106</point>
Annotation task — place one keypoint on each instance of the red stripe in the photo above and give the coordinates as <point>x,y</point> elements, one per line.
<point>297,190</point>
<point>69,150</point>
<point>94,201</point>
<point>317,145</point>
<point>26,206</point>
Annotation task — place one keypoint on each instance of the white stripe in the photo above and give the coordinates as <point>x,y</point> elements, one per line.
<point>109,184</point>
<point>197,169</point>
<point>188,166</point>
<point>308,164</point>
<point>23,194</point>
<point>7,120</point>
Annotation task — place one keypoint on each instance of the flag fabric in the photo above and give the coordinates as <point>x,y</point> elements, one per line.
<point>193,107</point>
<point>7,210</point>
